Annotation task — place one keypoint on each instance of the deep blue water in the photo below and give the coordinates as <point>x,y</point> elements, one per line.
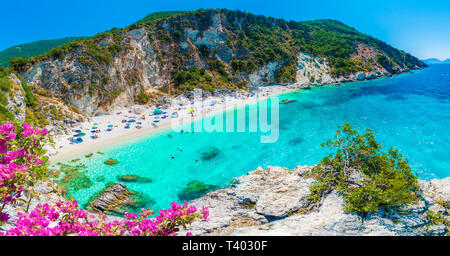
<point>410,112</point>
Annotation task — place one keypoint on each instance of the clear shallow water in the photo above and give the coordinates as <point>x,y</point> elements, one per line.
<point>410,112</point>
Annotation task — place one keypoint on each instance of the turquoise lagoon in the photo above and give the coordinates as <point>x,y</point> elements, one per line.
<point>410,112</point>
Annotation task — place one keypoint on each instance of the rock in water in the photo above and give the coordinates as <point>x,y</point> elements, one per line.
<point>112,196</point>
<point>195,189</point>
<point>210,153</point>
<point>287,101</point>
<point>133,178</point>
<point>111,161</point>
<point>116,199</point>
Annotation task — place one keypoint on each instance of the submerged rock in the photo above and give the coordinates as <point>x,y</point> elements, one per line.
<point>100,179</point>
<point>116,199</point>
<point>54,173</point>
<point>287,101</point>
<point>195,189</point>
<point>111,161</point>
<point>133,178</point>
<point>210,153</point>
<point>295,141</point>
<point>74,178</point>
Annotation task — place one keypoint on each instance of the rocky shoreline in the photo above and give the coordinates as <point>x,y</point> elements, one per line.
<point>273,202</point>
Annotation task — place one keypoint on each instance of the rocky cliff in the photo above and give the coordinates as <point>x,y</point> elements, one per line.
<point>39,108</point>
<point>208,49</point>
<point>274,202</point>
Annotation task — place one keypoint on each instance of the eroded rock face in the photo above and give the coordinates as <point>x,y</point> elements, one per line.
<point>273,202</point>
<point>16,99</point>
<point>111,198</point>
<point>116,199</point>
<point>275,191</point>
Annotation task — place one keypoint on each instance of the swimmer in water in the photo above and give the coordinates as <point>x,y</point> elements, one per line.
<point>196,160</point>
<point>170,135</point>
<point>171,156</point>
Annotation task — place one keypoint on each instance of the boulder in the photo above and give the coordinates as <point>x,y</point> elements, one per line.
<point>275,191</point>
<point>210,153</point>
<point>133,178</point>
<point>116,199</point>
<point>111,161</point>
<point>195,189</point>
<point>360,76</point>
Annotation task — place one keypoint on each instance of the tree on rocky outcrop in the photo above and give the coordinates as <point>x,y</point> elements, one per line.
<point>369,178</point>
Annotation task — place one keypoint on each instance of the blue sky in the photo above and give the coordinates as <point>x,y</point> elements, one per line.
<point>421,28</point>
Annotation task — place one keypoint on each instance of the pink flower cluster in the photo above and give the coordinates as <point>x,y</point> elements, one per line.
<point>20,154</point>
<point>22,162</point>
<point>28,130</point>
<point>66,219</point>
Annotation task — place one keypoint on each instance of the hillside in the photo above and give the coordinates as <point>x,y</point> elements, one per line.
<point>32,49</point>
<point>172,53</point>
<point>436,61</point>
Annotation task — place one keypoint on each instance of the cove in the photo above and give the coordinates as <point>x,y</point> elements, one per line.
<point>409,112</point>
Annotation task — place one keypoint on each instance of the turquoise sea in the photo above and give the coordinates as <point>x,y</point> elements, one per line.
<point>410,112</point>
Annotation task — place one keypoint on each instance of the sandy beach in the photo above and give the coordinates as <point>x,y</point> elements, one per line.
<point>142,116</point>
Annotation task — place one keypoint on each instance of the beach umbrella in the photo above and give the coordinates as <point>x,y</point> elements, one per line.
<point>110,125</point>
<point>157,111</point>
<point>78,131</point>
<point>95,123</point>
<point>81,134</point>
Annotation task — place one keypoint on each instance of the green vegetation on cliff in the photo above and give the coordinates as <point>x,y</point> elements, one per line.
<point>32,49</point>
<point>369,178</point>
<point>5,87</point>
<point>211,49</point>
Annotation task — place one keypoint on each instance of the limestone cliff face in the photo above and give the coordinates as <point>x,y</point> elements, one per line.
<point>50,112</point>
<point>273,201</point>
<point>16,98</point>
<point>212,49</point>
<point>313,70</point>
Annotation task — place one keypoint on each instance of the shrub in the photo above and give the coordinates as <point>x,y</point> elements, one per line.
<point>18,64</point>
<point>141,98</point>
<point>204,51</point>
<point>386,178</point>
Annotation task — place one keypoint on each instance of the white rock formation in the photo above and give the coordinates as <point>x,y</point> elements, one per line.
<point>273,202</point>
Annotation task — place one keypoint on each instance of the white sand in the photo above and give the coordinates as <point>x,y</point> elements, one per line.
<point>64,149</point>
